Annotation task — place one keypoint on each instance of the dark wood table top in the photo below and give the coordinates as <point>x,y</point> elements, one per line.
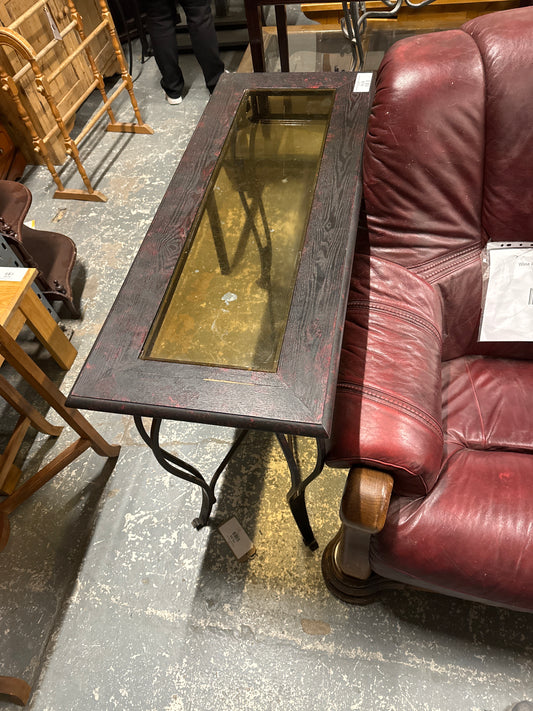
<point>298,397</point>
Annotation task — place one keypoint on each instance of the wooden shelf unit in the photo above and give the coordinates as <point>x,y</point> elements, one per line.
<point>67,86</point>
<point>35,64</point>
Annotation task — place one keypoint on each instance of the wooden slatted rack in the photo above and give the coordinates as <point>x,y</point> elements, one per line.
<point>10,37</point>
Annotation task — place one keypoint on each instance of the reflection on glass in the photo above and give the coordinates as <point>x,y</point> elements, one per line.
<point>328,51</point>
<point>228,301</point>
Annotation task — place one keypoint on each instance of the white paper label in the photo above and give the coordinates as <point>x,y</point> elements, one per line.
<point>508,309</point>
<point>363,82</point>
<point>12,273</point>
<point>237,539</point>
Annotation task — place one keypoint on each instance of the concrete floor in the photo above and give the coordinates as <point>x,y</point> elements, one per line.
<point>109,599</point>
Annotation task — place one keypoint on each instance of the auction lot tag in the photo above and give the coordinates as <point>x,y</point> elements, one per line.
<point>12,273</point>
<point>237,539</point>
<point>508,308</point>
<point>363,82</point>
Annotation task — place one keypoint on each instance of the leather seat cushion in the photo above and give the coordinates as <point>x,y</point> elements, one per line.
<point>472,536</point>
<point>487,403</point>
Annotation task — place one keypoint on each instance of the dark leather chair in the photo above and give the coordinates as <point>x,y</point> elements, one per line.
<point>52,253</point>
<point>437,428</point>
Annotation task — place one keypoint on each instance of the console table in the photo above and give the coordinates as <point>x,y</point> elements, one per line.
<point>233,310</point>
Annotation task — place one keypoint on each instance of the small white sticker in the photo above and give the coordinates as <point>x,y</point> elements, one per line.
<point>12,273</point>
<point>363,82</point>
<point>237,539</point>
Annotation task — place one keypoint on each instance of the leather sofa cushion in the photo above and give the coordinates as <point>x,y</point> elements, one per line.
<point>425,200</point>
<point>487,404</point>
<point>507,196</point>
<point>447,161</point>
<point>472,536</point>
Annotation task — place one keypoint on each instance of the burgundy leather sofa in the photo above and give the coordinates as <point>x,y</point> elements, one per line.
<point>437,429</point>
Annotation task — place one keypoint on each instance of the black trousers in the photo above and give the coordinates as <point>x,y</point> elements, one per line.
<point>161,18</point>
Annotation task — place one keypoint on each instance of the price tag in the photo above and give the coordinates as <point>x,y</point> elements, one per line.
<point>12,273</point>
<point>508,308</point>
<point>237,539</point>
<point>363,82</point>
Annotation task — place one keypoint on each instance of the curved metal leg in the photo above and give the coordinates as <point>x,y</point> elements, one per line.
<point>296,494</point>
<point>183,470</point>
<point>350,28</point>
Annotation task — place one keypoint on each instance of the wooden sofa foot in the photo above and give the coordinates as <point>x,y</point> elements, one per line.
<point>4,530</point>
<point>15,690</point>
<point>349,589</point>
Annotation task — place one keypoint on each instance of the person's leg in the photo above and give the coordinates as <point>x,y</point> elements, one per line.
<point>204,39</point>
<point>161,17</point>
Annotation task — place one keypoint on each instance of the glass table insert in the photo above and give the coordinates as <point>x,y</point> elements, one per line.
<point>229,297</point>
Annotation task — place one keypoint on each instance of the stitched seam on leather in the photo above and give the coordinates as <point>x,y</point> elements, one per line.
<point>444,259</point>
<point>396,402</point>
<point>372,461</point>
<point>449,267</point>
<point>431,279</point>
<point>485,107</point>
<point>477,405</point>
<point>400,314</point>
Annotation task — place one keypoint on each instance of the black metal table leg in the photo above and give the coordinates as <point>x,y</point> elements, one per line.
<point>183,470</point>
<point>296,494</point>
<point>283,40</point>
<point>255,34</point>
<point>218,235</point>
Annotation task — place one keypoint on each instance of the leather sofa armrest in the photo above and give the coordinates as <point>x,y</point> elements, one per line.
<point>388,404</point>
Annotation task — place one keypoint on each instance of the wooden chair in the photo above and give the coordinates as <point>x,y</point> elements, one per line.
<point>20,305</point>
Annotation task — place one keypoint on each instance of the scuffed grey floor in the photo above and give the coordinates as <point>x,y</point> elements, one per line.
<point>109,599</point>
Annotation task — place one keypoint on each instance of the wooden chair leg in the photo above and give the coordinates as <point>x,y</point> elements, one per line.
<point>4,530</point>
<point>17,690</point>
<point>44,475</point>
<point>23,407</point>
<point>9,473</point>
<point>29,415</point>
<point>47,331</point>
<point>42,385</point>
<point>39,381</point>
